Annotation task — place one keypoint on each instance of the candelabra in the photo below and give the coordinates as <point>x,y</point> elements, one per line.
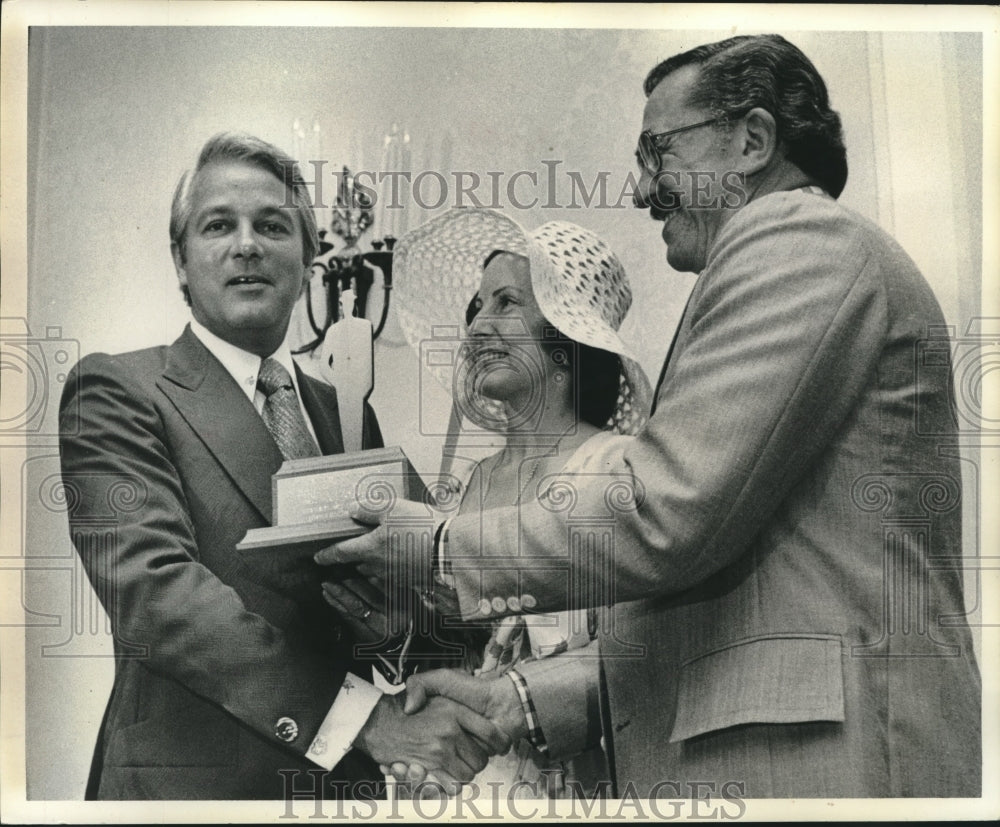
<point>357,210</point>
<point>348,268</point>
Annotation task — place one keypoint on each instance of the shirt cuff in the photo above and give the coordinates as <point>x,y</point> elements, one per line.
<point>350,711</point>
<point>535,736</point>
<point>442,568</point>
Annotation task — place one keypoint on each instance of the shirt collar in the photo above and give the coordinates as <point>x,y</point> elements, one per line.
<point>242,365</point>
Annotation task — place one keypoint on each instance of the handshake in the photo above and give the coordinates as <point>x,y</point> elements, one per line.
<point>447,722</point>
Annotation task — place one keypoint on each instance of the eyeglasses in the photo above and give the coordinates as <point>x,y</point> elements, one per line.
<point>648,152</point>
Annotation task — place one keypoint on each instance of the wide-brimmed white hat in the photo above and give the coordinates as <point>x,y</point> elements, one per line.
<point>578,282</point>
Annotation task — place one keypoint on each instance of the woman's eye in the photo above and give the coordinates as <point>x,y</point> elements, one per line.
<point>215,226</point>
<point>275,228</point>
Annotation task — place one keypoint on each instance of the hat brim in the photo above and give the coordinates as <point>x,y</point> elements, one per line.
<point>437,269</point>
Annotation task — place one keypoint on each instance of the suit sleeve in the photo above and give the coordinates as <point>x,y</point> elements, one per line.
<point>371,432</point>
<point>163,603</point>
<point>564,689</point>
<point>785,329</point>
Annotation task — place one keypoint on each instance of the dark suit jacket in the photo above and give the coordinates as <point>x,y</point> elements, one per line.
<point>169,468</point>
<point>791,615</point>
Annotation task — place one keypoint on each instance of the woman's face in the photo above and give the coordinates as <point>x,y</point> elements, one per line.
<point>507,356</point>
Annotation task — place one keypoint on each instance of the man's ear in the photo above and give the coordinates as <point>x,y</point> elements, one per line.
<point>178,256</point>
<point>760,140</point>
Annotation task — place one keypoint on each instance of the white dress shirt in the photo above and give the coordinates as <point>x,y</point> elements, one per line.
<point>357,697</point>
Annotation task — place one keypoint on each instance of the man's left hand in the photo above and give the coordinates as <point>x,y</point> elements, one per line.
<point>367,610</point>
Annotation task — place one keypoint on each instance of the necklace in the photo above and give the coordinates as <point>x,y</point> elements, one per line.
<point>535,465</point>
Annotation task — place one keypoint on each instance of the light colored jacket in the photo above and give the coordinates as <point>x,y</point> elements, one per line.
<point>790,615</point>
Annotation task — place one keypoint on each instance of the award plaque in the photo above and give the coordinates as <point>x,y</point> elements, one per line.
<point>312,499</point>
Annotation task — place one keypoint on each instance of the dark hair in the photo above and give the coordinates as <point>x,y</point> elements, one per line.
<point>494,254</point>
<point>596,379</point>
<point>472,309</point>
<point>766,71</point>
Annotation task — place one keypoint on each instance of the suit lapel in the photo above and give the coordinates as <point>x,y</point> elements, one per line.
<point>320,400</point>
<point>223,418</point>
<point>670,352</point>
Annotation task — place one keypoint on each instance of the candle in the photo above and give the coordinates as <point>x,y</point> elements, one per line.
<point>392,164</point>
<point>314,174</point>
<point>404,213</point>
<point>296,146</point>
<point>379,231</point>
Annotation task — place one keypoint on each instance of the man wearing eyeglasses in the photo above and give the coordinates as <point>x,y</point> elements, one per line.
<point>790,619</point>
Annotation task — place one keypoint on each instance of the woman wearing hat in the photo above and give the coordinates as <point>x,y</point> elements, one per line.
<point>541,362</point>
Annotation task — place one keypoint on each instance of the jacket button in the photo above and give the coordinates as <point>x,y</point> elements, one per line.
<point>528,601</point>
<point>485,607</point>
<point>499,604</point>
<point>513,604</point>
<point>286,729</point>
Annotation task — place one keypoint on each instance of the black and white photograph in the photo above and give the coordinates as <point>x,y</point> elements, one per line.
<point>498,411</point>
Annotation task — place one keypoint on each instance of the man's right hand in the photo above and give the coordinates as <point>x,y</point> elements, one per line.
<point>444,736</point>
<point>494,697</point>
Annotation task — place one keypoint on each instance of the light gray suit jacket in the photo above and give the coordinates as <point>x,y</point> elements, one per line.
<point>790,614</point>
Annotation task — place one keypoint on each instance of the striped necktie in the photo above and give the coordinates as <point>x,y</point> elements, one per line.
<point>282,413</point>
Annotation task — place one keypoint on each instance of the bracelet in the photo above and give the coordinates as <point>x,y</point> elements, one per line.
<point>535,736</point>
<point>438,539</point>
<point>441,566</point>
<point>397,671</point>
